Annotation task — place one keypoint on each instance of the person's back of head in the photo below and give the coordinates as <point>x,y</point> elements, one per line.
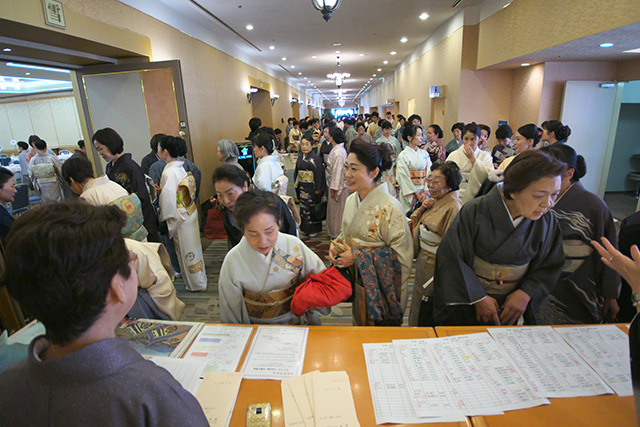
<point>81,144</point>
<point>155,139</point>
<point>32,139</point>
<point>255,123</point>
<point>175,146</point>
<point>40,144</point>
<point>77,168</point>
<point>23,145</point>
<point>504,132</point>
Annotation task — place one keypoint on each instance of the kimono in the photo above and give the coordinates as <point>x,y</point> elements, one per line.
<point>500,153</point>
<point>586,282</point>
<point>255,288</point>
<point>472,176</point>
<point>377,221</point>
<point>452,146</point>
<point>436,151</point>
<point>6,221</point>
<point>428,230</point>
<point>309,178</point>
<point>128,174</point>
<point>294,140</point>
<point>267,172</point>
<point>45,171</point>
<point>102,191</point>
<point>411,173</point>
<point>178,208</point>
<point>337,182</point>
<point>483,253</point>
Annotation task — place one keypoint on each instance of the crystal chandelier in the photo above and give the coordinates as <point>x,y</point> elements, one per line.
<point>338,77</point>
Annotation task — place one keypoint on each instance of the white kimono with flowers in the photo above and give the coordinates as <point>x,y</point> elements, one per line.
<point>411,173</point>
<point>267,171</point>
<point>472,176</point>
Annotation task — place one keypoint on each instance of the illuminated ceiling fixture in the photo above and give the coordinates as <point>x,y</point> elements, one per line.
<point>326,7</point>
<point>338,77</point>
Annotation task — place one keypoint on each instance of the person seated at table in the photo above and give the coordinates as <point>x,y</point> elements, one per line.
<point>503,253</point>
<point>259,276</point>
<point>79,372</point>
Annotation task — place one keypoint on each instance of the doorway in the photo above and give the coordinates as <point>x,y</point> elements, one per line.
<point>437,111</point>
<point>261,104</point>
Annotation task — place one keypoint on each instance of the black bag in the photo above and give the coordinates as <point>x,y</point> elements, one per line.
<point>319,210</point>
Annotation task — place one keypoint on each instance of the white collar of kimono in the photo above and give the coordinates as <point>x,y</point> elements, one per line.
<point>516,221</point>
<point>175,163</point>
<point>382,186</point>
<point>271,158</point>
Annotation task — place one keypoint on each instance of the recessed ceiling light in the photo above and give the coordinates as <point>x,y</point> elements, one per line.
<point>293,66</point>
<point>606,44</point>
<point>249,27</point>
<point>272,47</point>
<point>424,16</point>
<point>7,49</point>
<point>27,74</point>
<point>636,50</point>
<point>337,51</point>
<point>385,62</point>
<point>379,69</point>
<point>300,73</point>
<point>337,44</point>
<point>374,75</point>
<point>403,40</point>
<point>393,52</point>
<point>284,58</point>
<point>362,54</point>
<point>525,64</point>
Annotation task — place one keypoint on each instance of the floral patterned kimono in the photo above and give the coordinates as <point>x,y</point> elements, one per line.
<point>375,222</point>
<point>472,175</point>
<point>411,173</point>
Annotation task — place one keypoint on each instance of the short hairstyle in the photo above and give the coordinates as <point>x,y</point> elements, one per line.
<point>253,202</point>
<point>23,145</point>
<point>384,124</point>
<point>266,140</point>
<point>413,117</point>
<point>78,168</point>
<point>176,146</point>
<point>401,117</point>
<point>304,125</point>
<point>437,130</point>
<point>155,139</point>
<point>40,144</point>
<point>372,155</point>
<point>485,128</point>
<point>360,124</point>
<point>527,168</point>
<point>409,130</point>
<point>295,122</point>
<point>451,173</point>
<point>290,119</point>
<point>473,128</point>
<point>268,131</point>
<point>32,139</point>
<point>337,135</point>
<point>504,132</point>
<point>255,123</point>
<point>78,249</point>
<point>531,131</point>
<point>228,149</point>
<point>375,114</point>
<point>277,131</point>
<point>232,174</point>
<point>560,131</point>
<point>81,143</point>
<point>569,157</point>
<point>5,175</point>
<point>110,139</point>
<point>459,126</point>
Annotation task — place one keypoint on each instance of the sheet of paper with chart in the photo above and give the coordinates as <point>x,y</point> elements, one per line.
<point>606,349</point>
<point>220,346</point>
<point>276,353</point>
<point>548,364</point>
<point>389,393</point>
<point>483,374</point>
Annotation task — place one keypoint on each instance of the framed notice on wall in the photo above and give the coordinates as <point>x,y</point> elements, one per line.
<point>54,14</point>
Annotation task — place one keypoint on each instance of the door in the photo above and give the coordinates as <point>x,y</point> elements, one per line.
<point>262,108</point>
<point>588,110</point>
<point>138,100</point>
<point>437,111</point>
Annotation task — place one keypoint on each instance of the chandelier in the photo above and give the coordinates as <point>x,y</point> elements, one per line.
<point>338,77</point>
<point>326,7</point>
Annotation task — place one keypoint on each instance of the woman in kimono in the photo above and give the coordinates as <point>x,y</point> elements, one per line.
<point>429,223</point>
<point>553,131</point>
<point>474,163</point>
<point>310,184</point>
<point>259,276</point>
<point>337,185</point>
<point>45,171</point>
<point>411,169</point>
<point>228,152</point>
<point>587,290</point>
<point>268,169</point>
<point>526,138</point>
<point>386,138</point>
<point>178,208</point>
<point>122,169</point>
<point>503,253</point>
<point>375,243</point>
<point>435,147</point>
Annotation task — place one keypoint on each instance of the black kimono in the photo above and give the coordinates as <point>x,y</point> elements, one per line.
<point>483,235</point>
<point>309,179</point>
<point>126,172</point>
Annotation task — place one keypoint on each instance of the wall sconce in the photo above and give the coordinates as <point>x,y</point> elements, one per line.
<point>274,98</point>
<point>250,94</point>
<point>293,101</point>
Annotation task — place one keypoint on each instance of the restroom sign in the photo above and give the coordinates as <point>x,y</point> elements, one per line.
<point>54,14</point>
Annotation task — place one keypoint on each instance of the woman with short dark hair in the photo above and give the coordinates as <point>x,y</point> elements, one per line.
<point>503,253</point>
<point>7,193</point>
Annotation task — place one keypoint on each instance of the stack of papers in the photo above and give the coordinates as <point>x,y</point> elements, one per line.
<point>189,373</point>
<point>276,353</point>
<point>217,396</point>
<point>220,346</point>
<point>320,399</point>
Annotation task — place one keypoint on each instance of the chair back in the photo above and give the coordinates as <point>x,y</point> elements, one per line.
<point>21,199</point>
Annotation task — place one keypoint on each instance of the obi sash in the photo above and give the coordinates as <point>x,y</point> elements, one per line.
<point>185,197</point>
<point>575,252</point>
<point>45,172</point>
<point>270,304</point>
<point>429,241</point>
<point>306,177</point>
<point>418,176</point>
<point>130,205</point>
<point>498,279</point>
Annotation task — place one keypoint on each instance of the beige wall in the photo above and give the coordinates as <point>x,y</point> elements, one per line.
<point>628,70</point>
<point>525,95</point>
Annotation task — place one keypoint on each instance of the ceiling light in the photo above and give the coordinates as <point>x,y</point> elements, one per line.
<point>393,52</point>
<point>525,64</point>
<point>379,69</point>
<point>424,16</point>
<point>337,44</point>
<point>271,47</point>
<point>300,74</point>
<point>374,75</point>
<point>337,51</point>
<point>385,62</point>
<point>326,7</point>
<point>403,40</point>
<point>27,74</point>
<point>636,50</point>
<point>314,57</point>
<point>506,5</point>
<point>7,49</point>
<point>293,66</point>
<point>362,54</point>
<point>249,27</point>
<point>284,58</point>
<point>606,44</point>
<point>36,67</point>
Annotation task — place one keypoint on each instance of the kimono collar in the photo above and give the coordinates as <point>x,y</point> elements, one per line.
<point>380,188</point>
<point>453,195</point>
<point>253,257</point>
<point>575,184</point>
<point>175,163</point>
<point>270,158</point>
<point>96,182</point>
<point>514,222</point>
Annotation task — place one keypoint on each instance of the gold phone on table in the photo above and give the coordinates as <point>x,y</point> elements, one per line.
<point>259,415</point>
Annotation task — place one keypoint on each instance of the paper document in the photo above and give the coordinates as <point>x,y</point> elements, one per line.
<point>548,364</point>
<point>301,389</point>
<point>334,406</point>
<point>391,401</point>
<point>276,353</point>
<point>28,333</point>
<point>606,349</point>
<point>292,415</point>
<point>188,373</point>
<point>220,346</point>
<point>217,396</point>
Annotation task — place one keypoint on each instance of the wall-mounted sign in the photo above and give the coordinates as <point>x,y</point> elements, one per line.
<point>54,14</point>
<point>437,91</point>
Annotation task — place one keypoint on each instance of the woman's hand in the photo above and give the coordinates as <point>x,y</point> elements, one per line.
<point>345,259</point>
<point>334,194</point>
<point>470,154</point>
<point>487,311</point>
<point>514,307</point>
<point>333,254</point>
<point>158,189</point>
<point>627,267</point>
<point>428,204</point>
<point>420,196</point>
<point>610,310</point>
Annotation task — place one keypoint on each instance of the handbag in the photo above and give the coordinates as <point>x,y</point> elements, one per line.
<point>319,210</point>
<point>214,226</point>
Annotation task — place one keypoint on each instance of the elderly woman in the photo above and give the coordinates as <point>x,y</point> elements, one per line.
<point>503,252</point>
<point>430,222</point>
<point>228,152</point>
